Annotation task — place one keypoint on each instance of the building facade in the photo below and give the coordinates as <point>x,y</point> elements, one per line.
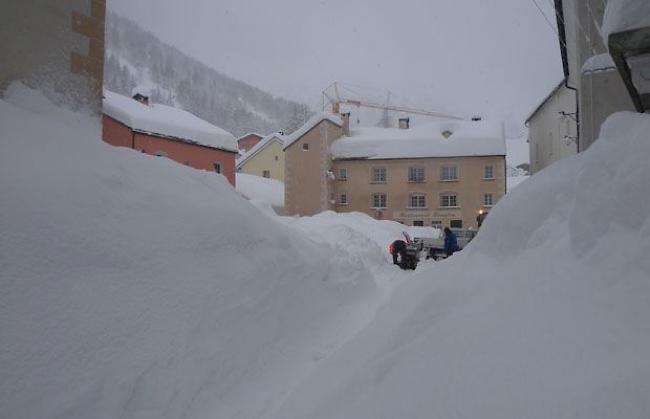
<point>552,128</point>
<point>307,182</point>
<point>439,175</point>
<point>433,191</point>
<point>265,159</point>
<point>599,93</point>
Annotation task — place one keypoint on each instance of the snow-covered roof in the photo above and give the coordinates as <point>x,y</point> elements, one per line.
<point>261,145</point>
<point>598,63</point>
<point>311,123</point>
<point>546,99</point>
<point>166,121</point>
<point>468,138</point>
<point>625,15</point>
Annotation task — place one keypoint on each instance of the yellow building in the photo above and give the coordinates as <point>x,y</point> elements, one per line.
<point>436,174</point>
<point>265,159</point>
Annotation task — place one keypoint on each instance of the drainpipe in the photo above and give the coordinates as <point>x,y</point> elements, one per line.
<point>566,84</point>
<point>559,14</point>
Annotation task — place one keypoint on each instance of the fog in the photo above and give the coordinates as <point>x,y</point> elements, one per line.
<point>495,58</point>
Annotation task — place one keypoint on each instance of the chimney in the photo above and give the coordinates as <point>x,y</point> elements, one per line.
<point>346,123</point>
<point>404,123</point>
<point>141,98</point>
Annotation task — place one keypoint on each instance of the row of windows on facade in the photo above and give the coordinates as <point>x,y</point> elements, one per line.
<point>436,223</point>
<point>417,174</point>
<point>160,153</point>
<point>419,200</point>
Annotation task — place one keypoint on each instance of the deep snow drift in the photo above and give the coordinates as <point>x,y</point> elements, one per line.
<point>134,287</point>
<point>545,315</point>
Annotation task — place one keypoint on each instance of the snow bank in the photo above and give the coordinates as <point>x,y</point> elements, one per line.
<point>268,191</point>
<point>624,15</point>
<point>514,181</point>
<point>133,287</point>
<point>543,315</point>
<point>164,120</point>
<point>358,234</point>
<point>466,138</point>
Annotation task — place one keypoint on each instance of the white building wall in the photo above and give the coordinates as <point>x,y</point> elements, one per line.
<point>552,130</point>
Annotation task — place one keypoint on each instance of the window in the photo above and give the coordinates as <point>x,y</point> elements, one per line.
<point>305,146</point>
<point>456,224</point>
<point>417,200</point>
<point>448,173</point>
<point>343,174</point>
<point>217,167</point>
<point>489,172</point>
<point>379,200</point>
<point>436,223</point>
<point>343,199</point>
<point>276,158</point>
<point>160,153</point>
<point>418,223</point>
<point>266,173</point>
<point>448,200</point>
<point>416,174</point>
<point>378,175</point>
<point>488,201</point>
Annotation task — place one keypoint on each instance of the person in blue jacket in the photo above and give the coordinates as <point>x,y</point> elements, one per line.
<point>451,244</point>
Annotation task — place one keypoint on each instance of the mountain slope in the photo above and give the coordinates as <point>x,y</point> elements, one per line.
<point>135,57</point>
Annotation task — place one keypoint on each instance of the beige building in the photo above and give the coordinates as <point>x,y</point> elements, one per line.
<point>265,159</point>
<point>436,174</point>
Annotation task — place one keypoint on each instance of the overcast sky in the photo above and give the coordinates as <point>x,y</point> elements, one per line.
<point>493,57</point>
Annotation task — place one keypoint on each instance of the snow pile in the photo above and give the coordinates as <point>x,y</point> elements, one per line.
<point>436,139</point>
<point>545,314</point>
<point>514,181</point>
<point>365,239</point>
<point>134,287</point>
<point>260,189</point>
<point>624,15</point>
<point>167,121</point>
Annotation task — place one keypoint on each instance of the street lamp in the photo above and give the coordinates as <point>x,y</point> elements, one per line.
<point>631,53</point>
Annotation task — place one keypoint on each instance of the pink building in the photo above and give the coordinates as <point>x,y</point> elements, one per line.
<point>248,141</point>
<point>168,132</point>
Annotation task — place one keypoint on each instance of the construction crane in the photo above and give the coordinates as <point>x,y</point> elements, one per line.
<point>337,100</point>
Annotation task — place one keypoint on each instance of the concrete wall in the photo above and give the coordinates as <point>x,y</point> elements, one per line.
<point>470,188</point>
<point>600,95</point>
<point>306,187</point>
<point>196,156</point>
<point>55,45</point>
<point>270,158</point>
<point>548,129</point>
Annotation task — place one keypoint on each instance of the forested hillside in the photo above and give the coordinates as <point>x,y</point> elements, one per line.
<point>136,58</point>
